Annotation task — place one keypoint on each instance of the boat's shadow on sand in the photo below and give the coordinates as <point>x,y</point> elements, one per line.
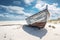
<point>34,31</point>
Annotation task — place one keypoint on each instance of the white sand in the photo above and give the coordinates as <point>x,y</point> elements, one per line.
<point>12,22</point>
<point>22,32</point>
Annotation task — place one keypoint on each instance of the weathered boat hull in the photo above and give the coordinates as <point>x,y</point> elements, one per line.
<point>38,24</point>
<point>38,20</point>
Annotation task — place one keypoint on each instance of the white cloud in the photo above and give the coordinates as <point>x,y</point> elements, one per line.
<point>28,2</point>
<point>16,9</point>
<point>14,16</point>
<point>1,15</point>
<point>13,10</point>
<point>28,14</point>
<point>53,9</point>
<point>40,5</point>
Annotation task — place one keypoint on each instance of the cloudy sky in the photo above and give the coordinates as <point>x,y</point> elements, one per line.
<point>20,9</point>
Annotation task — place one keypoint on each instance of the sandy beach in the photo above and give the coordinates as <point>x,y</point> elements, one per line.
<point>18,30</point>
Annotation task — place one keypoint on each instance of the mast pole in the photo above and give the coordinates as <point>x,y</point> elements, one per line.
<point>47,7</point>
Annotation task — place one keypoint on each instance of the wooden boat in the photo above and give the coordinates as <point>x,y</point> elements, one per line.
<point>39,19</point>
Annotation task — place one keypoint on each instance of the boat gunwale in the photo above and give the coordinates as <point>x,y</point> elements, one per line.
<point>37,13</point>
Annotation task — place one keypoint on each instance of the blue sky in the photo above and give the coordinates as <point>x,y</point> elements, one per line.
<point>21,9</point>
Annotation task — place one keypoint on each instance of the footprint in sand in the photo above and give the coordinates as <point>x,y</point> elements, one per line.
<point>4,35</point>
<point>57,34</point>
